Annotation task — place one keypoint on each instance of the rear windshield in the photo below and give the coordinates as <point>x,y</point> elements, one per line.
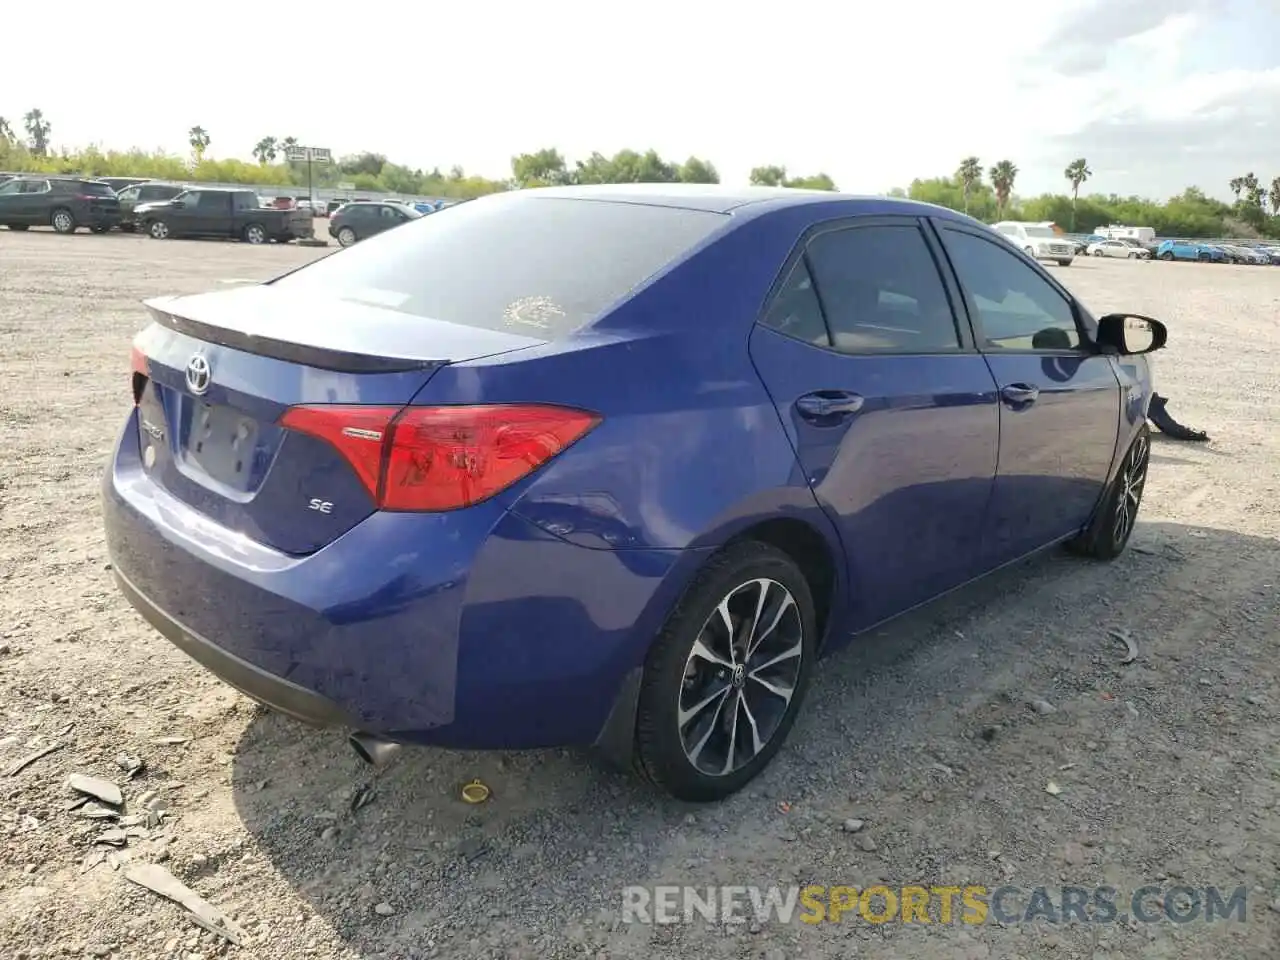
<point>534,265</point>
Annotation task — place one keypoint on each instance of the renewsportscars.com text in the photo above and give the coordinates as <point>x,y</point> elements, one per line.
<point>971,904</point>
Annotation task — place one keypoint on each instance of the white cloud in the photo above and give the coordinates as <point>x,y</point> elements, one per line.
<point>874,94</point>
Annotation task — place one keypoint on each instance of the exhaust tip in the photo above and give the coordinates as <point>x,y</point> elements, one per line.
<point>373,750</point>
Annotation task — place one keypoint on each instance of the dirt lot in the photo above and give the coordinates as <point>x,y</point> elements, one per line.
<point>1169,767</point>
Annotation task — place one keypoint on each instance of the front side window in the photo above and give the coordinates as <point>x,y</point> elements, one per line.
<point>1017,308</point>
<point>881,291</point>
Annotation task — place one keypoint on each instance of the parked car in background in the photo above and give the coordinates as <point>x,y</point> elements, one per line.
<point>1272,253</point>
<point>119,183</point>
<point>215,212</point>
<point>64,203</point>
<point>362,219</point>
<point>1189,250</point>
<point>1118,248</point>
<point>1247,255</point>
<point>1038,240</point>
<point>333,205</point>
<point>429,490</point>
<point>149,191</point>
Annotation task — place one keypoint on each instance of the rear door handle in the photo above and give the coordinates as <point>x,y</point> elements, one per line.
<point>828,403</point>
<point>1020,393</point>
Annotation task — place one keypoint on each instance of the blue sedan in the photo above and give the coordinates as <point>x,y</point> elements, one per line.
<point>611,465</point>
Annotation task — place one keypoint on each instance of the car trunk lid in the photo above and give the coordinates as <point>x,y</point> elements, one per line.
<point>215,373</point>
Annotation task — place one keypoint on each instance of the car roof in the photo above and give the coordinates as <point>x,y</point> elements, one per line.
<point>718,198</point>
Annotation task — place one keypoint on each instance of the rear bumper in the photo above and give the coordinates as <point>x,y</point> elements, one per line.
<point>254,682</point>
<point>473,629</point>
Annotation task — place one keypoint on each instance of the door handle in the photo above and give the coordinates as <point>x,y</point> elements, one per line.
<point>828,403</point>
<point>1020,393</point>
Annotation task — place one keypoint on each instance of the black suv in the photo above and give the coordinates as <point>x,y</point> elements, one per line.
<point>64,203</point>
<point>363,218</point>
<point>149,192</point>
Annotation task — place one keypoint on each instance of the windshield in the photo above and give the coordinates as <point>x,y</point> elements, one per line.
<point>1038,231</point>
<point>535,265</point>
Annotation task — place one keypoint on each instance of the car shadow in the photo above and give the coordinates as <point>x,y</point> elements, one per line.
<point>562,833</point>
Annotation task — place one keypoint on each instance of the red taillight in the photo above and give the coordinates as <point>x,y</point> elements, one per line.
<point>442,458</point>
<point>140,372</point>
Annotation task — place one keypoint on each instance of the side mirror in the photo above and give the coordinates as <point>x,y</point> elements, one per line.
<point>1130,334</point>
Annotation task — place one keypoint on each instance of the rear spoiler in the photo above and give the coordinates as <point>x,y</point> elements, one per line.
<point>322,358</point>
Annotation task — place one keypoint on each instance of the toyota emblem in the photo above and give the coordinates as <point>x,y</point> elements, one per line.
<point>198,374</point>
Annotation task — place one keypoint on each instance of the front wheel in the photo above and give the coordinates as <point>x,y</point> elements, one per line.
<point>1112,525</point>
<point>725,678</point>
<point>1064,263</point>
<point>1166,256</point>
<point>62,221</point>
<point>255,233</point>
<point>346,236</point>
<point>158,230</point>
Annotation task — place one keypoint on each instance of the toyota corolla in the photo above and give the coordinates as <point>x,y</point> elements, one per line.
<point>611,466</point>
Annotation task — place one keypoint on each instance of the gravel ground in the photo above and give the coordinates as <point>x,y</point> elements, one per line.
<point>1168,767</point>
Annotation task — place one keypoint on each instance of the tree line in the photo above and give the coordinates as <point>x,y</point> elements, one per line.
<point>987,194</point>
<point>367,172</point>
<point>1255,213</point>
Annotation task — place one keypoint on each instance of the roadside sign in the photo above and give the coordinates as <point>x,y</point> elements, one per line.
<point>308,155</point>
<point>346,185</point>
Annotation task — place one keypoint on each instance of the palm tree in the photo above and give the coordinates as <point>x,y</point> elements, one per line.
<point>198,137</point>
<point>1236,184</point>
<point>969,175</point>
<point>1003,174</point>
<point>265,150</point>
<point>6,131</point>
<point>1274,197</point>
<point>1253,191</point>
<point>1077,172</point>
<point>287,144</point>
<point>38,130</point>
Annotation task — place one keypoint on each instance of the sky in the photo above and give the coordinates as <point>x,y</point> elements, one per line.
<point>1155,94</point>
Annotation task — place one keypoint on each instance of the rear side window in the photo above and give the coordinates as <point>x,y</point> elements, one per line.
<point>881,291</point>
<point>244,200</point>
<point>795,310</point>
<point>543,267</point>
<point>88,189</point>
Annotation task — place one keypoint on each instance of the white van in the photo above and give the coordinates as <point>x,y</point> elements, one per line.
<point>1039,240</point>
<point>1143,235</point>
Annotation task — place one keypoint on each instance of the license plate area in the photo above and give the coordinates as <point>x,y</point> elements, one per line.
<point>222,443</point>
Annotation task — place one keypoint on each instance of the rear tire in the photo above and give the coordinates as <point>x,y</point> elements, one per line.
<point>62,221</point>
<point>1109,530</point>
<point>733,663</point>
<point>255,233</point>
